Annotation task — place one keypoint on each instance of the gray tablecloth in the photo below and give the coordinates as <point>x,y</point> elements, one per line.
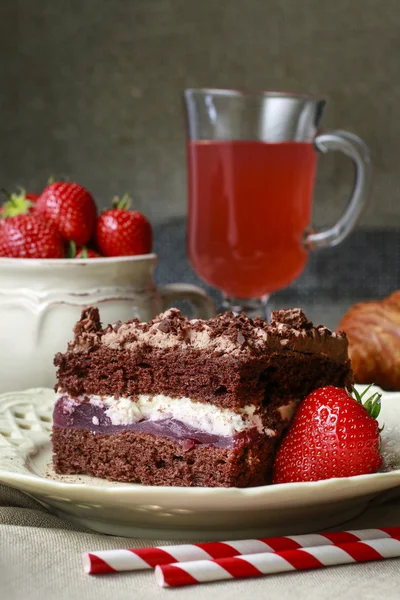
<point>40,559</point>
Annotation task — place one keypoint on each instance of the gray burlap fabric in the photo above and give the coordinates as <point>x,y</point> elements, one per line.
<point>40,559</point>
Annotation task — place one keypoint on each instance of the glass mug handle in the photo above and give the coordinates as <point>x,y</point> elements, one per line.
<point>356,149</point>
<point>204,307</point>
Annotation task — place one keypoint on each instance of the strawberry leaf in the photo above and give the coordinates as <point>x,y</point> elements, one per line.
<point>123,203</point>
<point>368,404</point>
<point>359,396</point>
<point>17,204</point>
<point>71,249</point>
<point>372,404</point>
<point>375,407</point>
<point>356,394</point>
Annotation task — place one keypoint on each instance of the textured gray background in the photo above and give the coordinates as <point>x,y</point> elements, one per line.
<point>91,89</point>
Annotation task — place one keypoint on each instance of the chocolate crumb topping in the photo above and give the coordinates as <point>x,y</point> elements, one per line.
<point>87,330</point>
<point>229,334</point>
<point>323,330</point>
<point>240,338</point>
<point>164,326</point>
<point>292,317</point>
<point>88,323</point>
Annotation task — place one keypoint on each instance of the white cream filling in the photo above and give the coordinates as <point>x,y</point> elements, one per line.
<point>204,417</point>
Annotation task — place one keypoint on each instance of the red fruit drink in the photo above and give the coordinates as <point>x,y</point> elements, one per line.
<point>249,204</point>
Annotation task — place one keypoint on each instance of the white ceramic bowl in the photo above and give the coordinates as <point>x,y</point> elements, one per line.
<point>41,299</point>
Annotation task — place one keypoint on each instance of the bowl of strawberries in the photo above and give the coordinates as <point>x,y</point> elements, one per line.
<point>59,255</point>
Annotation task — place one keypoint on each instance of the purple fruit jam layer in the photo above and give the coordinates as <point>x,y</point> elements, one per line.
<point>93,418</point>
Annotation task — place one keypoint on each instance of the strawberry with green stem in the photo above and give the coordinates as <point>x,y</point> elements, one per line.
<point>123,232</point>
<point>332,435</point>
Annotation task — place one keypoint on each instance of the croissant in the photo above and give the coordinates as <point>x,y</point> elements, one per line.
<point>373,330</point>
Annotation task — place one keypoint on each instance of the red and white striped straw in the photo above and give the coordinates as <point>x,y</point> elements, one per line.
<point>134,559</point>
<point>257,565</point>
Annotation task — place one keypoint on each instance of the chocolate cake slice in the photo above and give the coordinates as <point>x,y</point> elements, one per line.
<point>187,402</point>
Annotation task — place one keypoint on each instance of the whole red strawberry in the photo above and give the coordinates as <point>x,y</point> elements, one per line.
<point>29,236</point>
<point>123,232</point>
<point>71,208</point>
<point>331,435</point>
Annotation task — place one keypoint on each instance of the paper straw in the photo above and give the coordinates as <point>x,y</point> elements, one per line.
<point>134,559</point>
<point>258,565</point>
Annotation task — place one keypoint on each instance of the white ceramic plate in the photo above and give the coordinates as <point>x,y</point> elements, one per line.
<point>180,513</point>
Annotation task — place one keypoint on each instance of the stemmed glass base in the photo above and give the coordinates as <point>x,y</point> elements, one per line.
<point>252,307</point>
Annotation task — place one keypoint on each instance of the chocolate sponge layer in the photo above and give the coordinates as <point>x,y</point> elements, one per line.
<point>221,380</point>
<point>143,458</point>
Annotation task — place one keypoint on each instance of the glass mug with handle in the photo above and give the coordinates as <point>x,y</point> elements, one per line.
<point>252,159</point>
